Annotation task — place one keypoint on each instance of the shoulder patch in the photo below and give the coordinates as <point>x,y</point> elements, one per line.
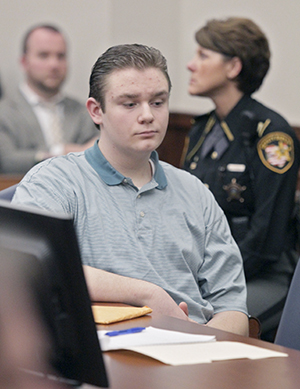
<point>276,151</point>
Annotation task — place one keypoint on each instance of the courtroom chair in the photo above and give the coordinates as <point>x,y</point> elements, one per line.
<point>288,333</point>
<point>7,193</point>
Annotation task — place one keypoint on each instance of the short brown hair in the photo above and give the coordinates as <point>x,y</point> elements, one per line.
<point>242,38</point>
<point>123,57</point>
<point>48,27</point>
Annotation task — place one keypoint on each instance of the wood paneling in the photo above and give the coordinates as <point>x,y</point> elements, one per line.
<point>172,146</point>
<point>7,180</point>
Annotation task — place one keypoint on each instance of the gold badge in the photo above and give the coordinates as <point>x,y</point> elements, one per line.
<point>234,191</point>
<point>276,151</point>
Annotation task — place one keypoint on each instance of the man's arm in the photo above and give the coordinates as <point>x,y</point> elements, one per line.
<point>109,287</point>
<point>231,321</point>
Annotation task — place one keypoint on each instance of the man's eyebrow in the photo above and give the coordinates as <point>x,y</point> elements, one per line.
<point>136,95</point>
<point>161,93</point>
<point>128,96</point>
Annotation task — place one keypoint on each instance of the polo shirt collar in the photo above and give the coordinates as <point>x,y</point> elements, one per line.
<point>111,176</point>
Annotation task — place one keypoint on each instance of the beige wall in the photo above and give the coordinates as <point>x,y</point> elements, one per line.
<point>94,25</point>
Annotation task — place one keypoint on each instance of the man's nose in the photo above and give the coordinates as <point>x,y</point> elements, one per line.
<point>146,115</point>
<point>55,61</point>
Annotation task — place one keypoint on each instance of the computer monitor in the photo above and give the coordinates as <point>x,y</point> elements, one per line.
<point>60,288</point>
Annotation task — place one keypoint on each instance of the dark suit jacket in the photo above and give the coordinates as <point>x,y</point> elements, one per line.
<point>21,136</point>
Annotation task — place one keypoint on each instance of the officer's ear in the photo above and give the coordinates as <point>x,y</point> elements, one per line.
<point>95,111</point>
<point>234,67</point>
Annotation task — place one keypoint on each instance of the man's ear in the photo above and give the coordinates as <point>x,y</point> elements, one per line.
<point>94,110</point>
<point>23,62</point>
<point>234,67</point>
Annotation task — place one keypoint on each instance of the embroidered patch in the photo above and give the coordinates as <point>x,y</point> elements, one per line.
<point>276,151</point>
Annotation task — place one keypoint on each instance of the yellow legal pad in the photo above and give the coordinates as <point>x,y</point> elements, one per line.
<point>107,314</point>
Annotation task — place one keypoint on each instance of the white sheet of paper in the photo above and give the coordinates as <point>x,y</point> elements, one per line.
<point>150,336</point>
<point>193,353</point>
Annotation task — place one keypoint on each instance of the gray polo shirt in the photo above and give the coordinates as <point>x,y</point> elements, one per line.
<point>170,232</point>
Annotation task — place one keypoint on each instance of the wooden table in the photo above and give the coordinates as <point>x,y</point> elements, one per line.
<point>127,369</point>
<point>7,180</point>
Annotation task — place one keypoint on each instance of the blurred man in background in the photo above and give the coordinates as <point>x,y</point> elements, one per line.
<point>39,121</point>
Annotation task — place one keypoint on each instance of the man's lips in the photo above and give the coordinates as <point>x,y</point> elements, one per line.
<point>147,133</point>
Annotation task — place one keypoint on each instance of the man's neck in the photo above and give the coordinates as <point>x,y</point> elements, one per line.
<point>142,176</point>
<point>43,95</point>
<point>138,168</point>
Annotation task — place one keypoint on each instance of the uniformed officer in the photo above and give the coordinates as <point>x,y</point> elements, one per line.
<point>248,156</point>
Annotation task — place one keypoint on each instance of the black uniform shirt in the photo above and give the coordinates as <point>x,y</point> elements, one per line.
<point>253,179</point>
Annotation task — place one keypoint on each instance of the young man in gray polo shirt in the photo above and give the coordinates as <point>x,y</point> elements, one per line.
<point>149,234</point>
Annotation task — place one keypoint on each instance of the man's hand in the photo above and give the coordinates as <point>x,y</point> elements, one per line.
<point>184,307</point>
<point>161,302</point>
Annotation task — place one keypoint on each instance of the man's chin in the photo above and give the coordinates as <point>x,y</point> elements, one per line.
<point>151,146</point>
<point>50,89</point>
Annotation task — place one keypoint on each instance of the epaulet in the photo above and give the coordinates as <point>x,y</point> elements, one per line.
<point>209,119</point>
<point>262,126</point>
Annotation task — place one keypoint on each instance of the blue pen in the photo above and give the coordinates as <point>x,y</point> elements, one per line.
<point>124,332</point>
